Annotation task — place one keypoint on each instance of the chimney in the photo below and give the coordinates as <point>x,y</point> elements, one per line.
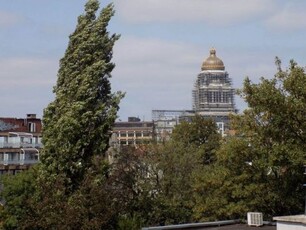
<point>31,115</point>
<point>133,119</point>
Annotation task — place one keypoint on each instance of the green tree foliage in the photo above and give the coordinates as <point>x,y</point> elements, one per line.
<point>201,134</point>
<point>276,124</point>
<point>192,146</point>
<point>15,194</point>
<point>77,123</point>
<point>73,188</point>
<point>134,173</point>
<point>158,178</point>
<point>95,205</point>
<point>262,168</point>
<point>233,185</point>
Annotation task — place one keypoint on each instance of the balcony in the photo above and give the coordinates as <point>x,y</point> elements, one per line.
<point>18,140</point>
<point>18,162</point>
<point>24,157</point>
<point>20,144</point>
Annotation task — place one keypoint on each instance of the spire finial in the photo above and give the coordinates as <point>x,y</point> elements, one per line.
<point>212,51</point>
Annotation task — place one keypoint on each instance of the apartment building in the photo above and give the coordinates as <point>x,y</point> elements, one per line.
<point>132,132</point>
<point>20,143</point>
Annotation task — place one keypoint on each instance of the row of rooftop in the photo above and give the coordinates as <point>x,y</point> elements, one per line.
<point>20,144</point>
<point>21,138</point>
<point>213,97</point>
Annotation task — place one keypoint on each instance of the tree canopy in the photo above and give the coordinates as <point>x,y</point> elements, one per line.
<point>195,176</point>
<point>72,186</point>
<point>261,168</point>
<point>77,123</point>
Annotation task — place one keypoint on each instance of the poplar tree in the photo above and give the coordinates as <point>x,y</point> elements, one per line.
<point>77,123</point>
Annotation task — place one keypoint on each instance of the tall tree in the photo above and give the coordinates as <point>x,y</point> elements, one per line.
<point>262,168</point>
<point>77,123</point>
<point>72,187</point>
<point>276,127</point>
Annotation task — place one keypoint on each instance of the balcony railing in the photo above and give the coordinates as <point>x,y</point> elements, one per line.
<point>18,162</point>
<point>19,145</point>
<point>20,140</point>
<point>26,156</point>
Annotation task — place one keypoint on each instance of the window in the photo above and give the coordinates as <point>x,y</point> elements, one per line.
<point>131,134</point>
<point>31,127</point>
<point>217,96</point>
<point>146,134</point>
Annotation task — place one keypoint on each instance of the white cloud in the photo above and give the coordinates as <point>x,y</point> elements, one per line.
<point>214,12</point>
<point>27,71</point>
<point>155,74</point>
<point>290,17</point>
<point>26,85</point>
<point>8,19</point>
<point>159,74</point>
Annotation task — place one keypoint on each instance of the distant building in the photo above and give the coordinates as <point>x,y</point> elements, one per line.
<point>213,94</point>
<point>166,120</point>
<point>132,132</point>
<point>213,97</point>
<point>20,143</point>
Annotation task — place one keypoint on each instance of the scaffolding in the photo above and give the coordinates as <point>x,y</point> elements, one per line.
<point>213,91</point>
<point>164,115</point>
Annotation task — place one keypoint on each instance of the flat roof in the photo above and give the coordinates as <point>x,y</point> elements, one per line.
<point>295,219</point>
<point>218,225</point>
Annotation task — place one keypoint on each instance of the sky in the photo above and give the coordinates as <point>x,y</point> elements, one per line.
<point>159,55</point>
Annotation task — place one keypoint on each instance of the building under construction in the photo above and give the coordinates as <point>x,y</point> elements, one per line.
<point>213,94</point>
<point>213,97</point>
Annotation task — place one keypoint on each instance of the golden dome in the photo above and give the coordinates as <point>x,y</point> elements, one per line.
<point>213,62</point>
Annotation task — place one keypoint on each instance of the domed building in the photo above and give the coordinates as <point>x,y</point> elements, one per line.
<point>213,97</point>
<point>213,94</point>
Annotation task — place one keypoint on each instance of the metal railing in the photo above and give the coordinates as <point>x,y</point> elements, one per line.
<point>194,225</point>
<point>18,162</point>
<point>20,145</point>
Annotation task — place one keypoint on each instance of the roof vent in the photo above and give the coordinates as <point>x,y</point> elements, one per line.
<point>255,219</point>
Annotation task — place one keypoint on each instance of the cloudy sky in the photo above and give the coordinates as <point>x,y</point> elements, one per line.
<point>162,46</point>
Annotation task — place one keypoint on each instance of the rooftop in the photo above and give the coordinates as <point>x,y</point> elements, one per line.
<point>240,227</point>
<point>218,225</point>
<point>295,219</point>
